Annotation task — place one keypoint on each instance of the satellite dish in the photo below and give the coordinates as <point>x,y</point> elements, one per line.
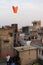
<point>15,9</point>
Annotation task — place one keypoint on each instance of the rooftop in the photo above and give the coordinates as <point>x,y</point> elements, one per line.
<point>24,48</point>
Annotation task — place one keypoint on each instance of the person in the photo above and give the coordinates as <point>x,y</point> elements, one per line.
<point>13,63</point>
<point>7,59</point>
<point>16,60</point>
<point>10,60</point>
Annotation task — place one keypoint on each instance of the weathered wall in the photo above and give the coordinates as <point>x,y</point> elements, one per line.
<point>27,57</point>
<point>7,40</point>
<point>27,54</point>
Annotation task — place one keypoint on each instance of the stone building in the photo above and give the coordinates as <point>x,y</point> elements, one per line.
<point>36,25</point>
<point>8,39</point>
<point>27,54</point>
<point>35,32</point>
<point>27,29</point>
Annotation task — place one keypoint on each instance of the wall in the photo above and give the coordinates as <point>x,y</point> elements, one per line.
<point>27,54</point>
<point>6,42</point>
<point>7,39</point>
<point>40,56</point>
<point>28,57</point>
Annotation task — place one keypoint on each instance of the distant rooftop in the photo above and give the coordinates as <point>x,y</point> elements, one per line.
<point>9,26</point>
<point>34,22</point>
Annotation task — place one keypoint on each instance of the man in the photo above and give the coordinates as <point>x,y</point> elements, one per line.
<point>7,59</point>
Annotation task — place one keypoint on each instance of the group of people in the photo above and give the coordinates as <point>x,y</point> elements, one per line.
<point>12,60</point>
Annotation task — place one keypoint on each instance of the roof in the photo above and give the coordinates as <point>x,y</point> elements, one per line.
<point>36,22</point>
<point>39,46</point>
<point>24,48</point>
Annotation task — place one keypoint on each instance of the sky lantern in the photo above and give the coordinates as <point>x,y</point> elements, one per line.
<point>15,9</point>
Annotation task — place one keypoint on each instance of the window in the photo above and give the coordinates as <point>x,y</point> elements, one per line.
<point>11,34</point>
<point>14,35</point>
<point>35,23</point>
<point>15,30</point>
<point>6,41</point>
<point>32,37</point>
<point>36,37</point>
<point>29,38</point>
<point>14,40</point>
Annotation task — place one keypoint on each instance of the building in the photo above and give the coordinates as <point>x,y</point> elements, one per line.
<point>27,29</point>
<point>36,25</point>
<point>11,37</point>
<point>40,53</point>
<point>27,54</point>
<point>24,39</point>
<point>8,39</point>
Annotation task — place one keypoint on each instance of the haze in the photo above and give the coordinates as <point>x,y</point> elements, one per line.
<point>28,11</point>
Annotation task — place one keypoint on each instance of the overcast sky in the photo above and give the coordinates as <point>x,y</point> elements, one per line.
<point>28,11</point>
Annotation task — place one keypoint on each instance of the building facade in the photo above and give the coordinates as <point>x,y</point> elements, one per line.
<point>8,39</point>
<point>27,54</point>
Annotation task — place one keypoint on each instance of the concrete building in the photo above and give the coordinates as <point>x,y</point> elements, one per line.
<point>24,39</point>
<point>8,39</point>
<point>27,29</point>
<point>36,25</point>
<point>27,54</point>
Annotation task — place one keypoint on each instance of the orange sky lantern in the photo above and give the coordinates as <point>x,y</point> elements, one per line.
<point>15,9</point>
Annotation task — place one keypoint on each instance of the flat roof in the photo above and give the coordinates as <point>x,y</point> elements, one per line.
<point>25,48</point>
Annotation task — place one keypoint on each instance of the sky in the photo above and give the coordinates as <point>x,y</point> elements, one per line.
<point>28,11</point>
